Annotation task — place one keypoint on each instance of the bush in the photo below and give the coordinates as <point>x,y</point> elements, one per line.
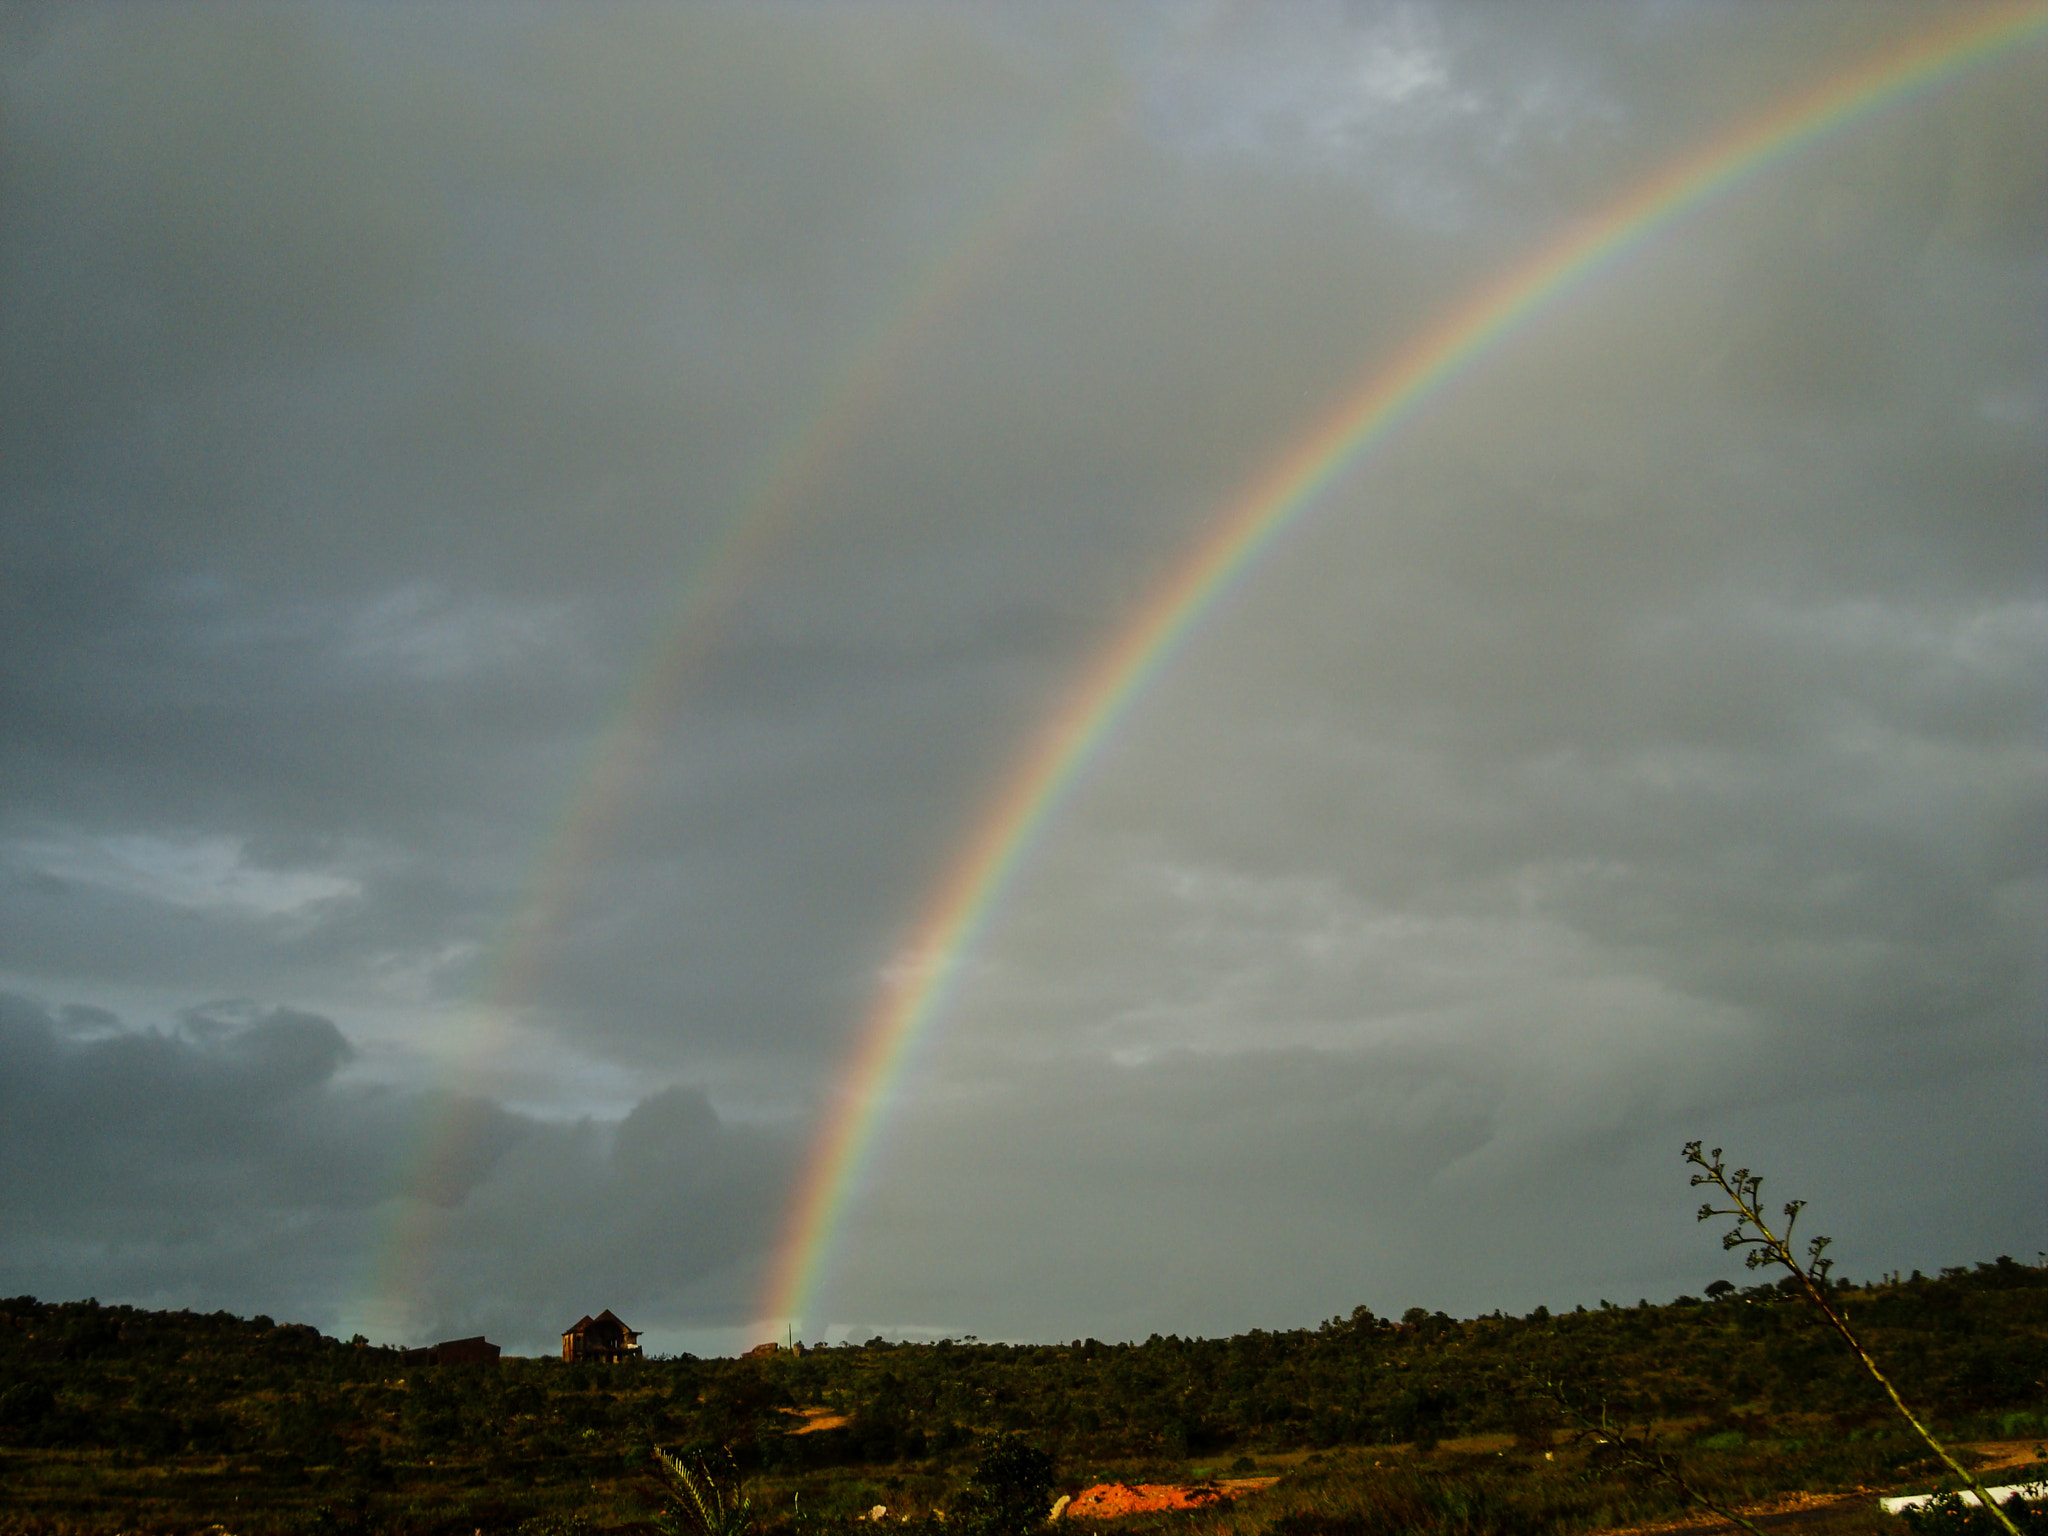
<point>1011,1491</point>
<point>25,1408</point>
<point>1950,1516</point>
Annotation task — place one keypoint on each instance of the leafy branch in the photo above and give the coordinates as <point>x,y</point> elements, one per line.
<point>1766,1248</point>
<point>713,1502</point>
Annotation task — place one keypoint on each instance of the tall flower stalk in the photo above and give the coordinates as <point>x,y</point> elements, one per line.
<point>1766,1248</point>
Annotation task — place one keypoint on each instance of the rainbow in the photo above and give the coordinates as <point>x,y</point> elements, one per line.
<point>960,909</point>
<point>791,478</point>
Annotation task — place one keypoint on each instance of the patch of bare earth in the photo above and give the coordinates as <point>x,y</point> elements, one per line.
<point>1998,1454</point>
<point>1106,1501</point>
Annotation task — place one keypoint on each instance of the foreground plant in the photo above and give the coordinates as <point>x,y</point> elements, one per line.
<point>1950,1516</point>
<point>1767,1248</point>
<point>713,1500</point>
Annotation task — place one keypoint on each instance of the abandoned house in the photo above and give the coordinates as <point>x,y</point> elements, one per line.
<point>601,1338</point>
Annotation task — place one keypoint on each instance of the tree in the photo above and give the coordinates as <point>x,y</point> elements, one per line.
<point>1810,1278</point>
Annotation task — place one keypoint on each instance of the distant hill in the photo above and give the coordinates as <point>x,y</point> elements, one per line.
<point>78,1373</point>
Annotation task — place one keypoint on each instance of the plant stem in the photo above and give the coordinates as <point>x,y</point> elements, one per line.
<point>1645,1455</point>
<point>1779,1250</point>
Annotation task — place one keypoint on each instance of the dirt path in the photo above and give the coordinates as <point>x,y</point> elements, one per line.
<point>2000,1454</point>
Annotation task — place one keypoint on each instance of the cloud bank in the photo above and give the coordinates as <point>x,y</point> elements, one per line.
<point>1646,743</point>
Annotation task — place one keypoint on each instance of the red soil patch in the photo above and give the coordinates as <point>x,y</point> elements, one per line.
<point>1105,1501</point>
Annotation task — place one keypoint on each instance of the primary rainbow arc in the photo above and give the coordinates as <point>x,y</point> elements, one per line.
<point>958,912</point>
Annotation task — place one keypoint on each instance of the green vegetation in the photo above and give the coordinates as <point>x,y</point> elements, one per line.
<point>1010,1491</point>
<point>1638,1452</point>
<point>113,1418</point>
<point>1950,1516</point>
<point>711,1498</point>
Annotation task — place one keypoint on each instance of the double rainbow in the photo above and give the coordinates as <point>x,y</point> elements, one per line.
<point>959,911</point>
<point>871,372</point>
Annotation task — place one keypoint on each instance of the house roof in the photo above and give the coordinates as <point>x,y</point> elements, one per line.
<point>585,1324</point>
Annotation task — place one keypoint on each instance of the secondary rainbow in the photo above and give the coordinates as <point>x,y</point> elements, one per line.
<point>787,486</point>
<point>960,908</point>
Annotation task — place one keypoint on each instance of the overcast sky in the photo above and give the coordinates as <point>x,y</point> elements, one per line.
<point>458,804</point>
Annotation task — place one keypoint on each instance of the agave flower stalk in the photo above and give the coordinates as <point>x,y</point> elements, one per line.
<point>1766,1248</point>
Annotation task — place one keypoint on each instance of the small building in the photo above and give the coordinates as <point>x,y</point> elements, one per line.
<point>602,1338</point>
<point>474,1351</point>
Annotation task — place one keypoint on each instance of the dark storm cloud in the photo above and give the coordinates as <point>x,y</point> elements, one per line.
<point>232,1115</point>
<point>667,1213</point>
<point>226,1157</point>
<point>1649,732</point>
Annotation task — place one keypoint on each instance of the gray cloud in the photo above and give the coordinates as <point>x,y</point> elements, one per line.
<point>1645,740</point>
<point>229,1157</point>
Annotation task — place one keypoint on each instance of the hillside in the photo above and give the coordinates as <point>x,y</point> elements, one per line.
<point>155,1417</point>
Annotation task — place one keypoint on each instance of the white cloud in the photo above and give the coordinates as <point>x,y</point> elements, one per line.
<point>1384,97</point>
<point>202,872</point>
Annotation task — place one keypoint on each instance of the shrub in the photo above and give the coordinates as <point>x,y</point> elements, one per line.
<point>1950,1516</point>
<point>713,1500</point>
<point>1010,1492</point>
